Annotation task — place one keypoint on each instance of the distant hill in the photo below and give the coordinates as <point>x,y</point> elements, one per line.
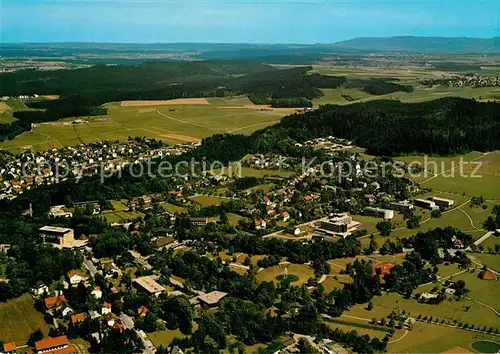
<point>441,45</point>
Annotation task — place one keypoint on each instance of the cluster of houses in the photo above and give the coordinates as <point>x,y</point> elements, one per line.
<point>30,169</point>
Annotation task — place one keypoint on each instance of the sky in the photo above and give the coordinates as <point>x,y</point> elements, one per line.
<point>242,21</point>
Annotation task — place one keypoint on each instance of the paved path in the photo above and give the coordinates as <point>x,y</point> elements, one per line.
<point>483,238</point>
<point>454,168</point>
<point>400,338</point>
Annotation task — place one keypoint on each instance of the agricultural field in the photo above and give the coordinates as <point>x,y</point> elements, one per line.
<point>19,318</point>
<point>173,124</point>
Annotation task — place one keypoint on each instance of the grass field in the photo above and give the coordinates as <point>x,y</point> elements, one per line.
<point>490,260</point>
<point>19,318</point>
<point>480,176</point>
<point>331,283</point>
<point>302,271</point>
<point>466,311</point>
<point>173,124</point>
<point>431,338</point>
<point>165,338</point>
<point>243,171</point>
<point>171,208</point>
<point>363,328</point>
<point>206,200</point>
<point>118,216</point>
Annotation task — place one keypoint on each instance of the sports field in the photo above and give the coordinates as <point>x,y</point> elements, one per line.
<point>19,318</point>
<point>174,124</point>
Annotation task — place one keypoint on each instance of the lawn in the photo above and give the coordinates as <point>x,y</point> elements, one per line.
<point>165,338</point>
<point>119,216</point>
<point>491,260</point>
<point>431,338</point>
<point>302,271</point>
<point>465,311</point>
<point>206,200</point>
<point>172,209</point>
<point>331,283</point>
<point>234,218</point>
<point>19,318</point>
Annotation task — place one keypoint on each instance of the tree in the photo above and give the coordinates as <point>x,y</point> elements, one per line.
<point>370,306</point>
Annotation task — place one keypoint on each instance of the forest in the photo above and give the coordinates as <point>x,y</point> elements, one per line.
<point>83,91</point>
<point>387,127</point>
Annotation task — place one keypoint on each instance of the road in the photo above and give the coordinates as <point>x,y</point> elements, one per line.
<point>128,321</point>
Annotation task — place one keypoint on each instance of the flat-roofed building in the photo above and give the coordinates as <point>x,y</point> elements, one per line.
<point>212,298</point>
<point>379,213</point>
<point>442,202</point>
<point>57,235</point>
<point>402,206</point>
<point>149,285</point>
<point>339,224</point>
<point>427,204</point>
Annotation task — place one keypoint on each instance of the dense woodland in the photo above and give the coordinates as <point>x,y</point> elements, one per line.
<point>83,91</point>
<point>444,126</point>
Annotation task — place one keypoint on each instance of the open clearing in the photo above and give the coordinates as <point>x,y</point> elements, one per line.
<point>174,102</point>
<point>19,318</point>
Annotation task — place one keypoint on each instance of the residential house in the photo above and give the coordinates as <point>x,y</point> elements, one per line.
<point>285,216</point>
<point>382,269</point>
<point>260,224</point>
<point>79,317</point>
<point>74,278</point>
<point>96,292</point>
<point>40,289</point>
<point>106,308</point>
<point>9,348</point>
<point>55,302</point>
<point>142,311</point>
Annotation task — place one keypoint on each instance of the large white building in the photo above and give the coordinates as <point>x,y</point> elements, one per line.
<point>338,224</point>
